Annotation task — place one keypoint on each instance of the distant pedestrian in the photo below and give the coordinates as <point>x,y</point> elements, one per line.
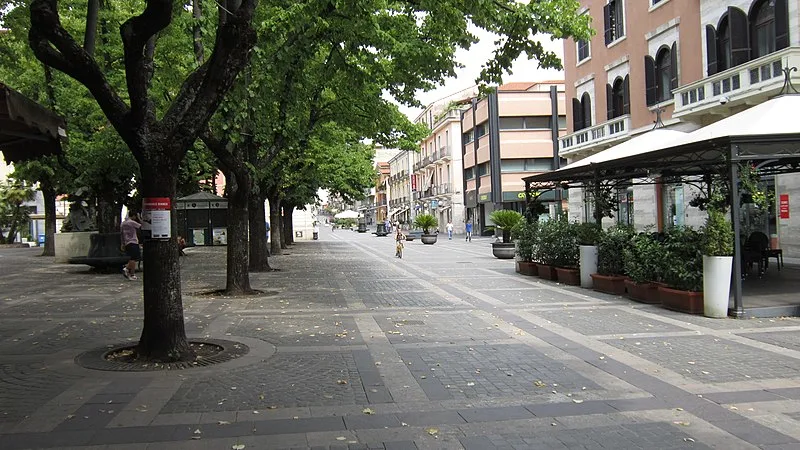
<point>130,241</point>
<point>468,227</point>
<point>449,230</point>
<point>399,239</point>
<point>266,225</point>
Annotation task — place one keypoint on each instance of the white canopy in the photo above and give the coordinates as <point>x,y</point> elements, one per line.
<point>643,143</point>
<point>346,215</point>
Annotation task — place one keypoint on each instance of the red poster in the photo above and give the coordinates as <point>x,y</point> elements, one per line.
<point>413,182</point>
<point>784,206</point>
<point>156,217</point>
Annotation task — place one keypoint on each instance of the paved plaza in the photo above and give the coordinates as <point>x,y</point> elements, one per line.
<point>352,348</point>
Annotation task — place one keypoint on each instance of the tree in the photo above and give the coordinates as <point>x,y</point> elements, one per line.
<point>157,143</point>
<point>13,213</point>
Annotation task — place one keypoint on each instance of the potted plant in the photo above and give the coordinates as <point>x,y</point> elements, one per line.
<point>683,271</point>
<point>565,237</point>
<point>426,222</point>
<point>504,219</point>
<point>641,260</point>
<point>524,235</point>
<point>588,235</point>
<point>610,276</point>
<point>717,263</point>
<point>545,252</point>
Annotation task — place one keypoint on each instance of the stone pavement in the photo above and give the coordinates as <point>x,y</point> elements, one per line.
<point>351,347</point>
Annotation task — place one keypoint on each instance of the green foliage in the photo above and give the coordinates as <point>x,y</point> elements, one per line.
<point>505,219</point>
<point>717,235</point>
<point>588,233</point>
<point>345,223</point>
<point>611,250</point>
<point>13,194</point>
<point>604,203</point>
<point>682,262</point>
<point>426,222</point>
<point>643,258</point>
<point>557,243</point>
<point>524,235</point>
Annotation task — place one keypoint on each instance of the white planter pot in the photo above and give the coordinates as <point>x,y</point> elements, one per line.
<point>716,285</point>
<point>588,264</point>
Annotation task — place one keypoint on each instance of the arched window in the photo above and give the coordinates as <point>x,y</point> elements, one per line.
<point>723,45</point>
<point>762,28</point>
<point>664,75</point>
<point>618,97</point>
<point>586,106</point>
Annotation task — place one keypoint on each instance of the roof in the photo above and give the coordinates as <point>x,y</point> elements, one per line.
<point>517,86</point>
<point>202,197</point>
<point>27,129</point>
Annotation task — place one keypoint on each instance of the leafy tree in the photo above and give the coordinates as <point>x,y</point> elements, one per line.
<point>13,213</point>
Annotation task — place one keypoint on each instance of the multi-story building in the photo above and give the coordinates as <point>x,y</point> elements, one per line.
<point>507,135</point>
<point>400,188</point>
<point>437,179</point>
<point>681,64</point>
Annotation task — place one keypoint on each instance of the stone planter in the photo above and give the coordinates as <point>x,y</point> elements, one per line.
<point>610,284</point>
<point>72,244</point>
<point>428,239</point>
<point>502,250</point>
<point>571,277</point>
<point>642,292</point>
<point>682,301</point>
<point>547,272</point>
<point>588,264</point>
<point>527,268</point>
<point>716,285</point>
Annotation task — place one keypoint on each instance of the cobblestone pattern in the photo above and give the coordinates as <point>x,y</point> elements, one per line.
<point>294,300</point>
<point>785,339</point>
<point>606,321</point>
<point>286,380</point>
<point>631,436</point>
<point>453,327</point>
<point>709,359</point>
<point>726,324</point>
<point>403,300</point>
<point>24,388</point>
<point>484,283</point>
<point>528,296</point>
<point>483,372</point>
<point>78,335</point>
<point>300,331</point>
<point>386,286</point>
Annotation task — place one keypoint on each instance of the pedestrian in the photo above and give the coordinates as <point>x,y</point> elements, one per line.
<point>450,230</point>
<point>130,241</point>
<point>399,239</point>
<point>316,231</point>
<point>266,225</point>
<point>468,227</point>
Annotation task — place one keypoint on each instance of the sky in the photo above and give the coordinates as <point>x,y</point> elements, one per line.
<point>523,70</point>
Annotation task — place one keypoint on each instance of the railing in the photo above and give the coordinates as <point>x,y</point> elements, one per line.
<point>609,130</point>
<point>452,114</point>
<point>737,83</point>
<point>444,188</point>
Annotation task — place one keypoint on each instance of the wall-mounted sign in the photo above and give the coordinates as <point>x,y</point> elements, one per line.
<point>156,217</point>
<point>485,197</point>
<point>434,204</point>
<point>413,182</point>
<point>783,206</point>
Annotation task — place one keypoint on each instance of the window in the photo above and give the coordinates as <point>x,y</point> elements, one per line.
<point>526,165</point>
<point>672,203</point>
<point>663,75</point>
<point>469,173</point>
<point>762,28</point>
<point>614,21</point>
<point>483,169</point>
<point>582,112</point>
<point>512,123</point>
<point>583,50</point>
<point>480,130</point>
<point>625,206</point>
<point>723,45</point>
<point>617,96</point>
<point>525,123</point>
<point>512,165</point>
<point>469,136</point>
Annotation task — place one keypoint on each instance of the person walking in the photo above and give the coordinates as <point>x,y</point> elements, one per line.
<point>449,230</point>
<point>399,238</point>
<point>468,227</point>
<point>130,240</point>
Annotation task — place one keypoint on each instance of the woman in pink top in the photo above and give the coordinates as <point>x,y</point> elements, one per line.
<point>130,240</point>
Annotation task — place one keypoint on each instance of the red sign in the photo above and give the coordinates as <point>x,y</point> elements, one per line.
<point>156,217</point>
<point>784,206</point>
<point>413,182</point>
<point>156,203</point>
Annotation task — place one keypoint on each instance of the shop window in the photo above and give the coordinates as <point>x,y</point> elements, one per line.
<point>625,206</point>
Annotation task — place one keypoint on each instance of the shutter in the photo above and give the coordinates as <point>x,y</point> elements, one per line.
<point>650,80</point>
<point>586,102</point>
<point>781,24</point>
<point>740,36</point>
<point>577,115</point>
<point>607,23</point>
<point>673,64</point>
<point>626,95</point>
<point>711,50</point>
<point>609,102</point>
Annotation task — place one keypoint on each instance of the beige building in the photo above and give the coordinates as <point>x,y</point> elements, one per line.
<point>508,135</point>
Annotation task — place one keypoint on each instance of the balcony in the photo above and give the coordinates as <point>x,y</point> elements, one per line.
<point>746,84</point>
<point>605,134</point>
<point>443,154</point>
<point>444,189</point>
<point>454,114</point>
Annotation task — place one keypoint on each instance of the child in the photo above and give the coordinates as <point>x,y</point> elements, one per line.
<point>399,238</point>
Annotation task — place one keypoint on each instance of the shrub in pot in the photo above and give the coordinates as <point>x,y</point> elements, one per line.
<point>683,270</point>
<point>610,276</point>
<point>642,260</point>
<point>524,235</point>
<point>588,235</point>
<point>557,247</point>
<point>505,220</point>
<point>426,222</point>
<point>717,262</point>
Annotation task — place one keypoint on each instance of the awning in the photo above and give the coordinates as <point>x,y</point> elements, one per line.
<point>27,129</point>
<point>399,211</point>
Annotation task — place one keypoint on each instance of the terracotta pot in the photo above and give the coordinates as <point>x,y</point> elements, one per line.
<point>610,284</point>
<point>683,301</point>
<point>642,292</point>
<point>569,276</point>
<point>527,268</point>
<point>547,272</point>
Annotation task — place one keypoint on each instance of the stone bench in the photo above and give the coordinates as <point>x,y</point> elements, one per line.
<point>104,253</point>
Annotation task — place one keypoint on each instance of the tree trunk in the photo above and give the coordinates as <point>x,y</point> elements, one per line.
<point>106,207</point>
<point>288,225</point>
<point>163,335</point>
<point>282,226</point>
<point>275,224</point>
<point>259,252</point>
<point>238,279</point>
<point>12,230</point>
<point>49,194</point>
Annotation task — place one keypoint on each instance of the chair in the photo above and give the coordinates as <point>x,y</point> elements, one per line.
<point>766,250</point>
<point>754,250</point>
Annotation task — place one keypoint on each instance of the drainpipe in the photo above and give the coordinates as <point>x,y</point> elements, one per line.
<point>554,137</point>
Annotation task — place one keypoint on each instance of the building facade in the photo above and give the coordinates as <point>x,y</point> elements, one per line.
<point>399,188</point>
<point>506,136</point>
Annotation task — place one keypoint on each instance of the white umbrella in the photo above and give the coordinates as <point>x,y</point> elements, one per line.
<point>346,215</point>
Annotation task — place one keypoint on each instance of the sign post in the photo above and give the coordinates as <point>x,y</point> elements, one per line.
<point>156,217</point>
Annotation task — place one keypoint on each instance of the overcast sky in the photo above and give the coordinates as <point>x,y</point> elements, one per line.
<point>523,70</point>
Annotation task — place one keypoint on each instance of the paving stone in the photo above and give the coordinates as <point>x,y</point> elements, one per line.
<point>286,330</point>
<point>601,321</point>
<point>406,299</point>
<point>375,286</point>
<point>785,339</point>
<point>78,334</point>
<point>24,388</point>
<point>453,327</point>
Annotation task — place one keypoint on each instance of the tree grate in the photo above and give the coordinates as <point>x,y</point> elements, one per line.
<point>97,359</point>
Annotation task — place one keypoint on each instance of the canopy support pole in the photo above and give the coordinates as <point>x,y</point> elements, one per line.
<point>738,309</point>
